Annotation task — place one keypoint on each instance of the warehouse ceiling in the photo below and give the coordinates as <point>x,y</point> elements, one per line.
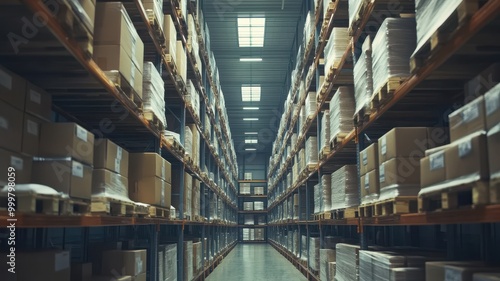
<point>270,73</point>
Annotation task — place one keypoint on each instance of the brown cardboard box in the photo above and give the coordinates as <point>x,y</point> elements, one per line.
<point>144,165</point>
<point>399,171</point>
<point>494,145</point>
<point>81,271</point>
<point>38,102</point>
<point>467,120</point>
<point>492,103</point>
<point>151,190</point>
<point>486,277</point>
<point>11,127</point>
<point>108,155</point>
<point>170,35</point>
<point>128,262</point>
<point>140,277</point>
<point>67,176</point>
<point>437,136</point>
<point>108,183</point>
<point>95,253</point>
<point>403,142</point>
<point>368,159</point>
<point>468,157</point>
<point>12,89</point>
<point>370,183</point>
<point>21,164</point>
<point>435,270</point>
<point>111,278</point>
<point>465,273</point>
<point>181,60</point>
<point>89,8</point>
<point>433,168</point>
<point>31,135</point>
<point>67,140</point>
<point>51,265</point>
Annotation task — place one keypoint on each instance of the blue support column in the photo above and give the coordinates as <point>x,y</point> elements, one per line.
<point>153,252</point>
<point>359,147</point>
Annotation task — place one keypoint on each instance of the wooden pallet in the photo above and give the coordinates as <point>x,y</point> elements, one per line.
<point>198,218</point>
<point>157,27</point>
<point>358,16</point>
<point>33,203</point>
<point>396,206</point>
<point>448,196</point>
<point>154,120</point>
<point>74,207</point>
<point>461,15</point>
<point>339,138</point>
<point>125,88</point>
<point>495,191</point>
<point>159,212</point>
<point>324,152</point>
<point>366,210</point>
<point>362,116</point>
<point>112,207</point>
<point>347,213</point>
<point>385,93</point>
<point>323,216</point>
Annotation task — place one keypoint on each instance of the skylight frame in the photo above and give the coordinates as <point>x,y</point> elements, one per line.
<point>251,31</point>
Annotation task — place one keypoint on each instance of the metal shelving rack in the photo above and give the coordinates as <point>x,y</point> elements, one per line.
<point>241,213</point>
<point>82,93</point>
<point>449,58</point>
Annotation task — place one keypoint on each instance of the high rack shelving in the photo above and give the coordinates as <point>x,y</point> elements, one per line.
<point>252,221</point>
<point>418,101</point>
<point>58,61</point>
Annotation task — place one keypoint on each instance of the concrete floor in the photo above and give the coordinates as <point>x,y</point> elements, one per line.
<point>255,262</point>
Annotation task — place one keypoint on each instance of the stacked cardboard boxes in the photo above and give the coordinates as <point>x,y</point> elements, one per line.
<point>170,36</point>
<point>124,263</point>
<point>368,170</point>
<point>344,184</point>
<point>154,93</point>
<point>187,189</point>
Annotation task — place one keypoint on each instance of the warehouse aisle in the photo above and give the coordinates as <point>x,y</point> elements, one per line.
<point>255,263</point>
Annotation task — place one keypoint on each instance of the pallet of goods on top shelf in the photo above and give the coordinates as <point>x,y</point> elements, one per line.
<point>363,83</point>
<point>154,97</point>
<point>155,17</point>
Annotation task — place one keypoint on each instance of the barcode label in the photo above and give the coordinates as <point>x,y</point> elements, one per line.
<point>464,148</point>
<point>436,161</point>
<point>470,113</point>
<point>32,128</point>
<point>382,173</point>
<point>383,144</point>
<point>35,97</point>
<point>81,133</point>
<point>77,170</point>
<point>4,124</point>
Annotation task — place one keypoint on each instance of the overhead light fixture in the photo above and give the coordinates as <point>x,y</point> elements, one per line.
<point>250,149</point>
<point>250,92</point>
<point>250,119</point>
<point>250,108</point>
<point>250,59</point>
<point>251,133</point>
<point>252,141</point>
<point>251,31</point>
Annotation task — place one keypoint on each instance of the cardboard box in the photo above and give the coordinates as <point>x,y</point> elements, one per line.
<point>435,270</point>
<point>81,271</point>
<point>108,155</point>
<point>11,127</point>
<point>399,171</point>
<point>433,168</point>
<point>468,157</point>
<point>469,119</point>
<point>155,7</point>
<point>492,104</point>
<point>32,127</point>
<point>248,176</point>
<point>151,190</point>
<point>12,89</point>
<point>494,145</point>
<point>106,183</point>
<point>89,8</point>
<point>140,277</point>
<point>111,278</point>
<point>486,277</point>
<point>67,140</point>
<point>368,159</point>
<point>67,176</point>
<point>370,183</point>
<point>465,273</point>
<point>181,60</point>
<point>128,262</point>
<point>403,142</point>
<point>144,165</point>
<point>21,164</point>
<point>38,102</point>
<point>170,35</point>
<point>95,251</point>
<point>51,265</point>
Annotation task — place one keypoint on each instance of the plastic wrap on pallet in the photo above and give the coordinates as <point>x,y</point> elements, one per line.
<point>188,261</point>
<point>155,8</point>
<point>314,253</point>
<point>354,6</point>
<point>392,48</point>
<point>347,262</point>
<point>248,206</point>
<point>310,105</point>
<point>258,205</point>
<point>296,249</point>
<point>170,36</point>
<point>153,92</point>
<point>193,97</point>
<point>188,140</point>
<point>304,250</point>
<point>407,274</point>
<point>363,76</point>
<point>170,259</point>
<point>335,48</point>
<point>341,112</point>
<point>326,256</point>
<point>325,130</point>
<point>311,151</point>
<point>195,203</point>
<point>317,198</point>
<point>181,61</point>
<point>308,26</point>
<point>344,184</point>
<point>107,184</point>
<point>326,193</point>
<point>430,15</point>
<point>197,257</point>
<point>294,141</point>
<point>188,186</point>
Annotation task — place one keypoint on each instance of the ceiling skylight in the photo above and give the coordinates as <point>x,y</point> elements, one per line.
<point>253,141</point>
<point>250,108</point>
<point>250,59</point>
<point>250,92</point>
<point>250,119</point>
<point>251,31</point>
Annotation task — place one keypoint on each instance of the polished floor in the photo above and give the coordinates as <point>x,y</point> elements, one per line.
<point>255,262</point>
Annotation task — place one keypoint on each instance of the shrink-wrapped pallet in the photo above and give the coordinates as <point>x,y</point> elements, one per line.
<point>258,205</point>
<point>317,198</point>
<point>326,256</point>
<point>195,200</point>
<point>363,76</point>
<point>252,234</point>
<point>335,48</point>
<point>245,188</point>
<point>408,274</point>
<point>248,206</point>
<point>310,105</point>
<point>324,139</point>
<point>303,248</point>
<point>295,237</point>
<point>170,259</point>
<point>344,184</point>
<point>246,234</point>
<point>326,193</point>
<point>314,243</point>
<point>197,257</point>
<point>354,9</point>
<point>153,92</point>
<point>332,269</point>
<point>311,155</point>
<point>192,97</point>
<point>259,234</point>
<point>392,48</point>
<point>341,112</point>
<point>188,141</point>
<point>293,140</point>
<point>188,261</point>
<point>347,262</point>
